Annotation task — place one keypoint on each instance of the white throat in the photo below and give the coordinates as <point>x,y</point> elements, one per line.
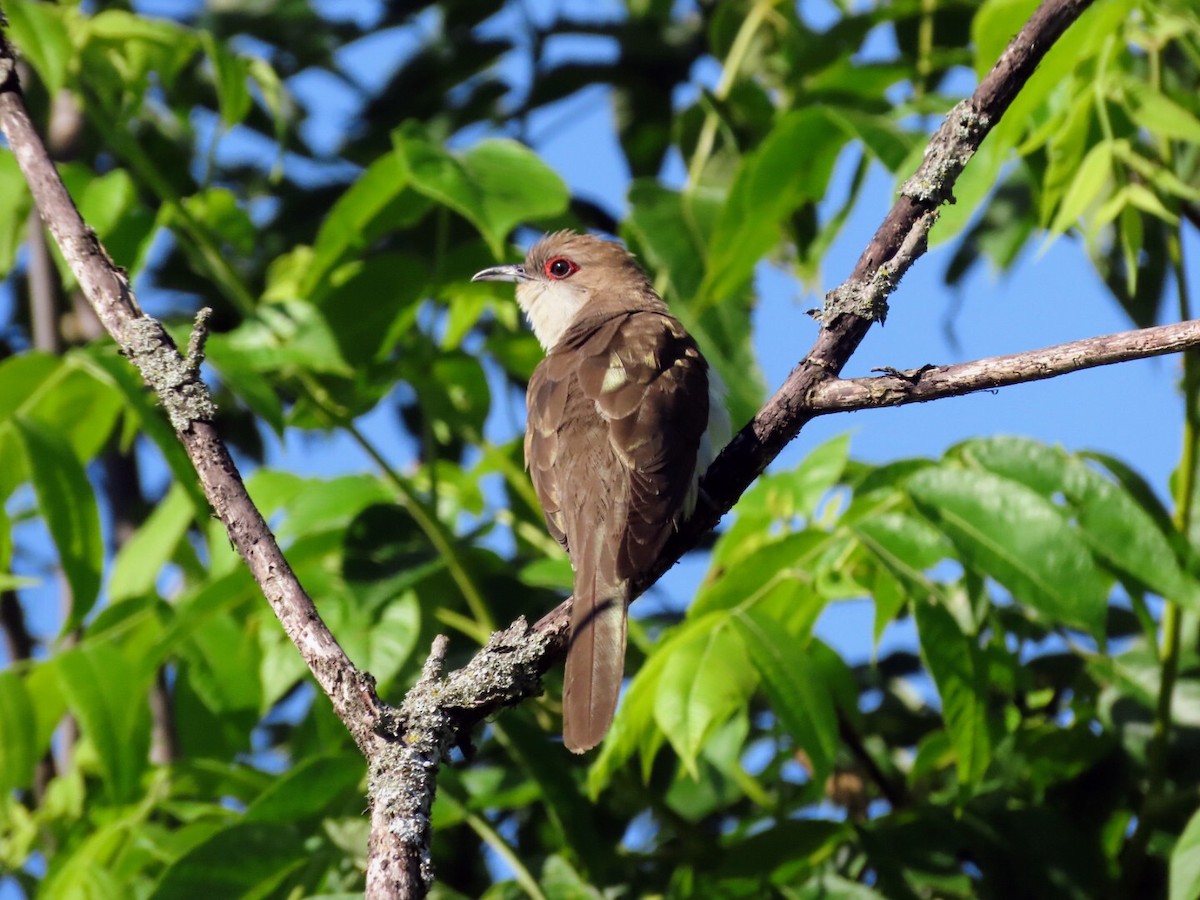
<point>551,307</point>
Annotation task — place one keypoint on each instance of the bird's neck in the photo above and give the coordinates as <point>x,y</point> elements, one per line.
<point>553,307</point>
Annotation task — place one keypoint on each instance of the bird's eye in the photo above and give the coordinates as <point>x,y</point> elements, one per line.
<point>560,267</point>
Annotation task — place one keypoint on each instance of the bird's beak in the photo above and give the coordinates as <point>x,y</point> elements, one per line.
<point>515,273</point>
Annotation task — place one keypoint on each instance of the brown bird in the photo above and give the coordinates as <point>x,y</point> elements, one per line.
<point>624,416</point>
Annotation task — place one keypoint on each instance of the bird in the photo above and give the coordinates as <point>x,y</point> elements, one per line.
<point>624,415</point>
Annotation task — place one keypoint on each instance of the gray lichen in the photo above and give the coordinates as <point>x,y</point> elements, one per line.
<point>175,380</point>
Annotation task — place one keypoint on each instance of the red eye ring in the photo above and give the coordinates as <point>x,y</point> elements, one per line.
<point>559,268</point>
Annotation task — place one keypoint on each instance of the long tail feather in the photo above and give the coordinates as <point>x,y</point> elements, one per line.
<point>595,660</point>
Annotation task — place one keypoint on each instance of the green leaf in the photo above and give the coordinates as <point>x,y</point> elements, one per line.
<point>1147,201</point>
<point>705,677</point>
<point>783,563</point>
<point>62,396</point>
<point>879,135</point>
<point>1093,176</point>
<point>1066,145</point>
<point>109,203</point>
<point>132,47</point>
<point>453,393</point>
<point>671,231</point>
<point>66,502</point>
<point>231,75</point>
<point>1126,535</point>
<point>40,34</point>
<point>331,503</point>
<point>217,210</point>
<point>525,742</point>
<point>1005,530</point>
<point>906,545</point>
<point>310,789</point>
<point>515,185</point>
<point>371,305</point>
<point>1162,116</point>
<point>103,693</point>
<point>785,495</point>
<point>782,852</point>
<point>274,97</point>
<point>152,546</point>
<point>495,185</point>
<point>249,859</point>
<point>393,638</point>
<point>18,734</point>
<point>1127,528</point>
<point>790,167</point>
<point>287,337</point>
<point>794,685</point>
<point>959,674</point>
<point>379,201</point>
<point>15,205</point>
<point>561,882</point>
<point>1185,863</point>
<point>992,27</point>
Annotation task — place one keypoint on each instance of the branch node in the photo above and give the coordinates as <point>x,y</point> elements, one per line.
<point>195,350</point>
<point>912,376</point>
<point>176,383</point>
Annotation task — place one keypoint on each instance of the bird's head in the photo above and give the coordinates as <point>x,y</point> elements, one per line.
<point>565,272</point>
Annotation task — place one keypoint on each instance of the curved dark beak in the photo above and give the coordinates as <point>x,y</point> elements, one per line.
<point>515,273</point>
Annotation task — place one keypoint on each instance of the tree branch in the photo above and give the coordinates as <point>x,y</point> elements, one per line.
<point>933,382</point>
<point>187,402</point>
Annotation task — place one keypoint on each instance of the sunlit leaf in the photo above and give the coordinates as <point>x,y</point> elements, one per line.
<point>66,501</point>
<point>99,684</point>
<point>246,859</point>
<point>1185,863</point>
<point>792,166</point>
<point>1018,538</point>
<point>141,558</point>
<point>705,676</point>
<point>18,733</point>
<point>40,34</point>
<point>798,693</point>
<point>231,79</point>
<point>495,185</point>
<point>958,672</point>
<point>1091,178</point>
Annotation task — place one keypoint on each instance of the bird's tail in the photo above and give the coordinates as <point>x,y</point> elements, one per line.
<point>595,659</point>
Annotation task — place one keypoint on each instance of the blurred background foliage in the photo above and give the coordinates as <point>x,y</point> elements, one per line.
<point>158,736</point>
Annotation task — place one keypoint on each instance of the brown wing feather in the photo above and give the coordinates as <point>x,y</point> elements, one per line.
<point>616,412</point>
<point>651,386</point>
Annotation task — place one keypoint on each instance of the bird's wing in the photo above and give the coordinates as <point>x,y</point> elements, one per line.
<point>649,383</point>
<point>546,398</point>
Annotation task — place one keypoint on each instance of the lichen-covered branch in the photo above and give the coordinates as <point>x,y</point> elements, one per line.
<point>176,382</point>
